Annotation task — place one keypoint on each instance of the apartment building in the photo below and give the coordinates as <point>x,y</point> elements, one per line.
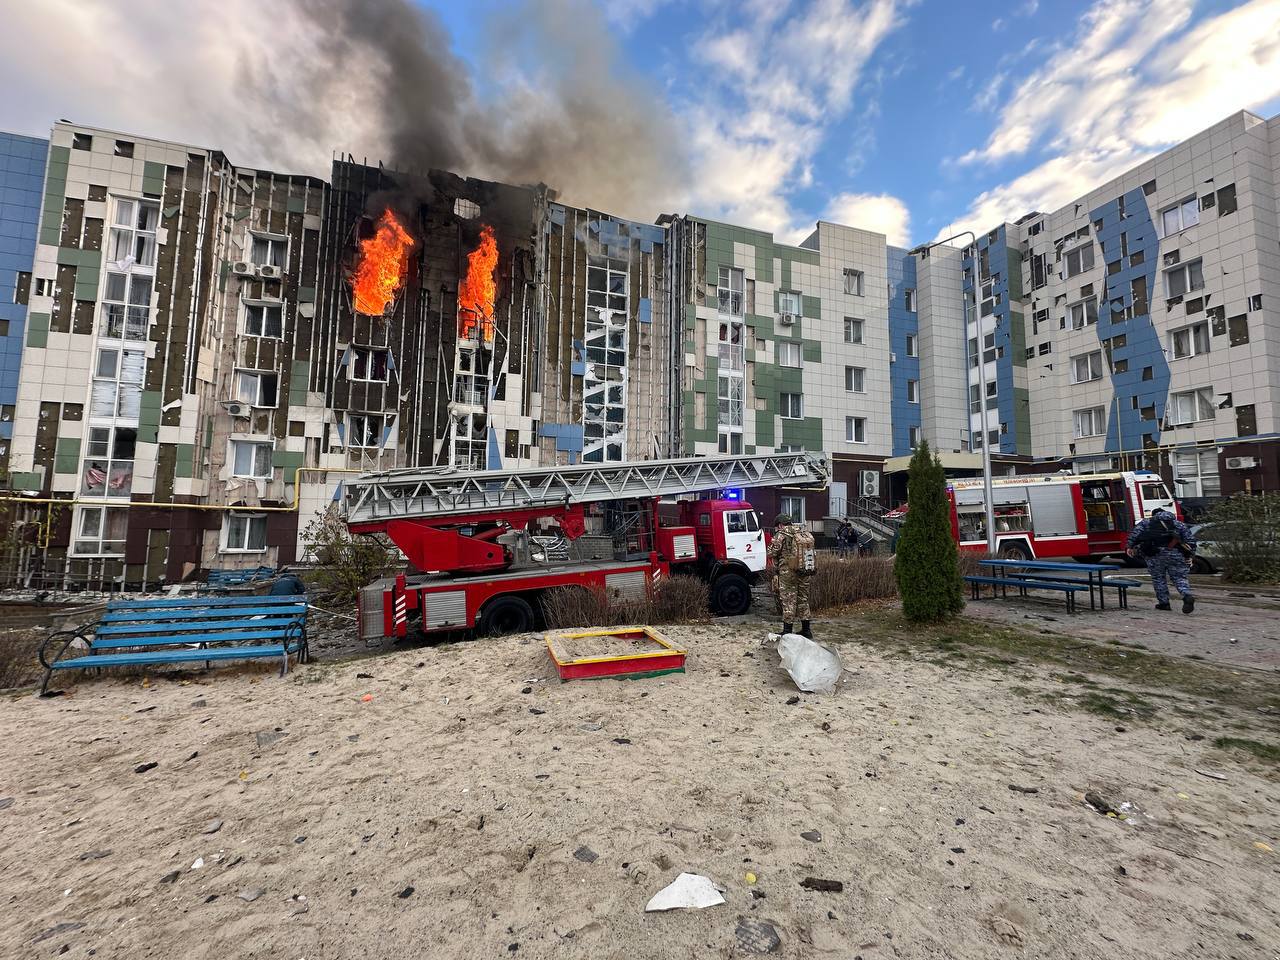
<point>1135,326</point>
<point>194,354</point>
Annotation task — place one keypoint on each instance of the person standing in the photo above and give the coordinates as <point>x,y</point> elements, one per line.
<point>1167,545</point>
<point>791,553</point>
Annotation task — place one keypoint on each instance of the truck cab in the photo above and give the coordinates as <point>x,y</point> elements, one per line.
<point>727,532</point>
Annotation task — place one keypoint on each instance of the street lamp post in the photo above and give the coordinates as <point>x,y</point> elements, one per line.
<point>988,498</point>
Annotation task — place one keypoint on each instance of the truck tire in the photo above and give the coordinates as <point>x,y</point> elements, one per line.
<point>503,615</point>
<point>730,595</point>
<point>1015,550</point>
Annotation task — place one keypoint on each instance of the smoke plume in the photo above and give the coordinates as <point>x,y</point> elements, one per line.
<point>285,84</point>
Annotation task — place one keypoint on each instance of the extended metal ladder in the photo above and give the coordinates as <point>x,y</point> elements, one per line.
<point>412,492</point>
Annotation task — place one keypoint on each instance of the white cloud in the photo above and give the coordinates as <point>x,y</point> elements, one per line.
<point>1137,77</point>
<point>881,213</point>
<point>774,83</point>
<point>998,24</point>
<point>627,13</point>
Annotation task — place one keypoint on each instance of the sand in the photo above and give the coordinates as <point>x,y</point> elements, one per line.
<point>441,818</point>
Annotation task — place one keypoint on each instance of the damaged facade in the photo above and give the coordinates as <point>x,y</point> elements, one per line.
<point>194,354</point>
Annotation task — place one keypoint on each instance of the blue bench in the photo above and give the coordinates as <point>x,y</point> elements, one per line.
<point>221,579</point>
<point>184,630</point>
<point>1062,586</point>
<point>1121,584</point>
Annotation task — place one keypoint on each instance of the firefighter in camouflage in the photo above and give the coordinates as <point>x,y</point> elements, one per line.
<point>791,554</point>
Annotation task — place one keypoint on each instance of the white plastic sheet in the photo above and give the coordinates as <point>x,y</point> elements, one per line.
<point>813,667</point>
<point>689,890</point>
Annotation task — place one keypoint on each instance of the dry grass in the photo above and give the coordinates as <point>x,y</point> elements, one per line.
<point>18,664</point>
<point>677,599</point>
<point>838,583</point>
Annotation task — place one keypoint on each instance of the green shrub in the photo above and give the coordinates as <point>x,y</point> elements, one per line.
<point>926,564</point>
<point>344,564</point>
<point>1246,537</point>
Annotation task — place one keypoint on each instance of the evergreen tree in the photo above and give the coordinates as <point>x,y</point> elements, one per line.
<point>927,565</point>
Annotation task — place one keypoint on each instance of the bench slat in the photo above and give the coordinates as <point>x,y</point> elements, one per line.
<point>175,656</point>
<point>181,602</point>
<point>177,639</point>
<point>211,627</point>
<point>279,610</point>
<point>1030,584</point>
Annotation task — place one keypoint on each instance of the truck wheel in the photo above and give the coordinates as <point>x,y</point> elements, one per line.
<point>1201,565</point>
<point>504,615</point>
<point>730,595</point>
<point>1014,551</point>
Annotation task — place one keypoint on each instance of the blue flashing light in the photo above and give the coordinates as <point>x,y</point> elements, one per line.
<point>734,494</point>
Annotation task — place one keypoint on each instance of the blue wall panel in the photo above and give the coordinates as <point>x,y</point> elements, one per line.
<point>22,163</point>
<point>902,276</point>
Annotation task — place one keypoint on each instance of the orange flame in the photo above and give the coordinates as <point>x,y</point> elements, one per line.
<point>380,273</point>
<point>479,290</point>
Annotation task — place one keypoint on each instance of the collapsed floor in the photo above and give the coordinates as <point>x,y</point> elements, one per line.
<point>474,806</point>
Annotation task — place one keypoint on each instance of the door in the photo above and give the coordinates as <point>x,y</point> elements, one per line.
<point>838,498</point>
<point>743,539</point>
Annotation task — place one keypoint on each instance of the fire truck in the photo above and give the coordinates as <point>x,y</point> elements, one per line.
<point>483,546</point>
<point>1083,516</point>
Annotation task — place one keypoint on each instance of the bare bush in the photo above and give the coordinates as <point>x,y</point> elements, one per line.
<point>19,666</point>
<point>838,583</point>
<point>346,563</point>
<point>675,600</point>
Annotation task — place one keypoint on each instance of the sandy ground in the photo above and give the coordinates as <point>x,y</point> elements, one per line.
<point>476,807</point>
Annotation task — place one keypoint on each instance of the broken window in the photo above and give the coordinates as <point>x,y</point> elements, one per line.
<point>366,430</point>
<point>1227,200</point>
<point>1045,349</point>
<point>1083,313</point>
<point>256,387</point>
<point>124,148</point>
<point>1120,366</point>
<point>133,234</point>
<point>22,290</point>
<point>263,318</point>
<point>81,141</point>
<point>126,306</point>
<point>729,291</point>
<point>1138,297</point>
<point>853,282</point>
<point>465,209</point>
<point>730,350</point>
<point>1238,330</point>
<point>117,383</point>
<point>1149,188</point>
<point>1184,278</point>
<point>1255,302</point>
<point>369,364</point>
<point>853,330</point>
<point>108,464</point>
<point>1246,421</point>
<point>1189,341</point>
<point>1136,258</point>
<point>1039,271</point>
<point>1191,406</point>
<point>909,295</point>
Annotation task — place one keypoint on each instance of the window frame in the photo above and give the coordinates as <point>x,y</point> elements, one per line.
<point>381,417</point>
<point>131,233</point>
<point>909,299</point>
<point>859,278</point>
<point>1201,399</point>
<point>258,375</point>
<point>1180,208</point>
<point>126,318</point>
<point>1097,422</point>
<point>913,391</point>
<point>1078,252</point>
<point>233,444</point>
<point>1184,270</point>
<point>1197,335</point>
<point>225,545</point>
<point>794,349</point>
<point>855,379</point>
<point>852,427</point>
<point>725,291</point>
<point>1092,375</point>
<point>264,304</point>
<point>792,409</point>
<point>1088,317</point>
<point>369,353</point>
<point>787,504</point>
<point>856,325</point>
<point>275,241</point>
<point>912,345</point>
<point>104,512</point>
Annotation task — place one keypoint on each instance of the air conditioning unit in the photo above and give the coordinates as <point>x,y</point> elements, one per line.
<point>787,319</point>
<point>243,268</point>
<point>269,272</point>
<point>1241,463</point>
<point>237,409</point>
<point>869,483</point>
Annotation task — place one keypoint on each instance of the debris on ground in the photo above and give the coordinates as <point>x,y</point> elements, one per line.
<point>813,667</point>
<point>688,891</point>
<point>822,886</point>
<point>757,936</point>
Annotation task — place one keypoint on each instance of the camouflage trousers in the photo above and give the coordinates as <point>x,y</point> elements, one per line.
<point>792,591</point>
<point>1169,566</point>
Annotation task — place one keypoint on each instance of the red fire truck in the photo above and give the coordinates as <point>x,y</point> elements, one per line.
<point>483,546</point>
<point>1056,515</point>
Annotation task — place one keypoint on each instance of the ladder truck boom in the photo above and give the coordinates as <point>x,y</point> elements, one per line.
<point>449,496</point>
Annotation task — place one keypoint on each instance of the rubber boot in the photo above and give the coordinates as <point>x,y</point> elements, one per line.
<point>805,629</point>
<point>786,628</point>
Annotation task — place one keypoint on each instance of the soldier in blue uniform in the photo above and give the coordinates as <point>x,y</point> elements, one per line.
<point>1167,545</point>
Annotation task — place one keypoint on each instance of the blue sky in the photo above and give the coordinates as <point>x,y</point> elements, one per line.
<point>915,117</point>
<point>909,117</point>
